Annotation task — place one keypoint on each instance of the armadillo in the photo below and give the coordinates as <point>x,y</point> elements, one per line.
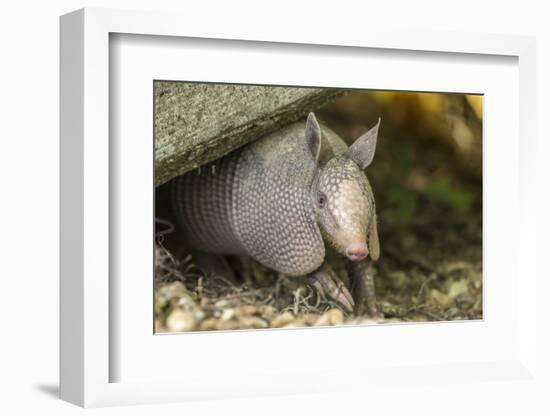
<point>281,200</point>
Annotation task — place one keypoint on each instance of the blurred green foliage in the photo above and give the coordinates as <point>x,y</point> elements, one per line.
<point>402,199</point>
<point>443,192</point>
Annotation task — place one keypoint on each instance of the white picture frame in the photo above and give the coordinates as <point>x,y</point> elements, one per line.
<point>87,356</point>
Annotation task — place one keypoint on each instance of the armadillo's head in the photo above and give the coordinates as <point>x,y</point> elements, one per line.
<point>342,197</point>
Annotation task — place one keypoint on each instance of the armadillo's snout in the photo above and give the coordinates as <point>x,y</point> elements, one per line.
<point>357,251</point>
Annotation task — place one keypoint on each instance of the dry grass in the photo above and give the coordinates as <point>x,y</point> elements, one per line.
<point>436,277</point>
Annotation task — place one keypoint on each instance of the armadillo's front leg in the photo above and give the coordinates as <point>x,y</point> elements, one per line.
<point>325,281</point>
<point>362,282</point>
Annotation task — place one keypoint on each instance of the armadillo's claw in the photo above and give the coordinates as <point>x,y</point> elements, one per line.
<point>326,282</point>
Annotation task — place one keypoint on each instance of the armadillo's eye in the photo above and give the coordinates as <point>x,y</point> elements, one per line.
<point>322,200</point>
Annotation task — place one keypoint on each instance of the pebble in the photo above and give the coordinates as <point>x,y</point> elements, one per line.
<point>180,321</point>
<point>440,299</point>
<point>173,290</point>
<point>227,314</point>
<point>331,317</point>
<point>208,324</point>
<point>222,304</point>
<point>297,323</point>
<point>457,288</point>
<point>186,301</point>
<point>477,278</point>
<point>246,310</point>
<point>228,325</point>
<point>452,267</point>
<point>283,319</point>
<point>267,311</point>
<point>310,318</point>
<point>168,293</point>
<point>252,322</point>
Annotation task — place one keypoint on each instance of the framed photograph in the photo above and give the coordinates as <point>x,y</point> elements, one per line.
<point>279,213</point>
<point>286,231</point>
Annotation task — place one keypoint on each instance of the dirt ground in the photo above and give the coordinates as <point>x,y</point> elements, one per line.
<point>429,203</point>
<point>426,274</point>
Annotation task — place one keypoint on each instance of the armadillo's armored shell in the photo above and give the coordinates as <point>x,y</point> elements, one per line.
<point>202,201</point>
<point>273,210</point>
<point>256,201</point>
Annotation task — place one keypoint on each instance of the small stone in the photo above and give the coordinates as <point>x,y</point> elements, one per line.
<point>227,314</point>
<point>175,289</point>
<point>222,304</point>
<point>310,318</point>
<point>186,301</point>
<point>457,288</point>
<point>170,293</point>
<point>267,311</point>
<point>199,314</point>
<point>331,317</point>
<point>180,321</point>
<point>246,310</point>
<point>208,324</point>
<point>452,267</point>
<point>440,299</point>
<point>283,319</point>
<point>227,325</point>
<point>252,322</point>
<point>298,323</point>
<point>477,279</point>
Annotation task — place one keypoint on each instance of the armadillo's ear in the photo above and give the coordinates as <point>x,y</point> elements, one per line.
<point>373,242</point>
<point>318,146</point>
<point>362,150</point>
